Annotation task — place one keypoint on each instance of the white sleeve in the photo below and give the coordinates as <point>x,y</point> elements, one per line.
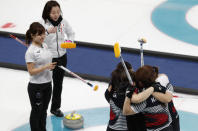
<point>42,22</point>
<point>29,57</point>
<point>162,79</point>
<point>170,88</point>
<point>68,30</point>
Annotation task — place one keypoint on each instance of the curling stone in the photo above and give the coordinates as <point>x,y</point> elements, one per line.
<point>73,121</point>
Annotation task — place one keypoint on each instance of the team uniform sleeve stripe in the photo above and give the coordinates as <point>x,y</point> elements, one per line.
<point>170,88</point>
<point>132,107</point>
<point>138,107</point>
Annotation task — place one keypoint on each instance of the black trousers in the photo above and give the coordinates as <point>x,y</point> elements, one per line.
<point>58,75</point>
<point>136,122</point>
<point>175,124</point>
<point>39,95</point>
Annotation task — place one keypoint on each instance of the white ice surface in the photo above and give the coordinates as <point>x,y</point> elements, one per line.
<point>190,16</point>
<point>102,22</point>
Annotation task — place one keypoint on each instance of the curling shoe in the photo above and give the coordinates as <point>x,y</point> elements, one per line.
<point>57,113</point>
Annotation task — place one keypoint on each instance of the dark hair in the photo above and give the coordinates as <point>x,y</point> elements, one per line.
<point>145,76</point>
<point>35,28</point>
<point>48,7</point>
<point>119,75</point>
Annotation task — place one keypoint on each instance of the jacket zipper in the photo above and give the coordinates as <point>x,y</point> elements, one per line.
<point>57,43</point>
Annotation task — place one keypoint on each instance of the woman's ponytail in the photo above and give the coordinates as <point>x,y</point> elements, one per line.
<point>28,37</point>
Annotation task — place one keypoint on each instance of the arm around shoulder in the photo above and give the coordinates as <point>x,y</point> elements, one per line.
<point>127,107</point>
<point>142,96</point>
<point>164,98</point>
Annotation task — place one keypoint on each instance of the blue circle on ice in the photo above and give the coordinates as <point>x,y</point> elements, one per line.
<point>169,17</point>
<point>92,117</point>
<point>100,116</point>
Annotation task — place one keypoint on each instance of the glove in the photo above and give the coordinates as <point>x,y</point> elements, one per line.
<point>158,87</point>
<point>129,91</point>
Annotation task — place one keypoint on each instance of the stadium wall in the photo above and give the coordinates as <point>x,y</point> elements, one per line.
<point>96,62</point>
